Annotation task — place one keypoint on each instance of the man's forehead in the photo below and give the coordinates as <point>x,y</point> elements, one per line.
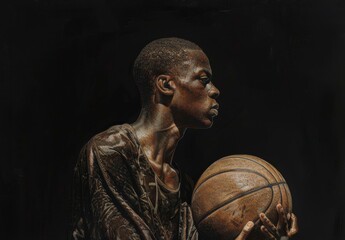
<point>198,60</point>
<point>197,55</point>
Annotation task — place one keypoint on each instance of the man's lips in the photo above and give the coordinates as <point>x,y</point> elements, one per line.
<point>215,106</point>
<point>214,110</point>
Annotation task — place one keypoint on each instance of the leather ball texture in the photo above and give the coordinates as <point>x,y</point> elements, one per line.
<point>235,190</point>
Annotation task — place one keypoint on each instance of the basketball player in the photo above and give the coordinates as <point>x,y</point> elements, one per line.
<point>127,185</point>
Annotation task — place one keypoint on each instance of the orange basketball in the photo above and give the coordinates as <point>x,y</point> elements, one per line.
<point>235,190</point>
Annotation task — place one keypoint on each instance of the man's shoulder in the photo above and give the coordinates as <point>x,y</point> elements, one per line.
<point>117,139</point>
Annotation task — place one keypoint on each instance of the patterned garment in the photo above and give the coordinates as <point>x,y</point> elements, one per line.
<point>118,196</point>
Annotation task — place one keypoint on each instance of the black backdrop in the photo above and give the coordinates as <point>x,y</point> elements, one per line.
<point>65,75</point>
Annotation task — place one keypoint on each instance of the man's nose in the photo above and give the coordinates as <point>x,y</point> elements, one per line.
<point>214,92</point>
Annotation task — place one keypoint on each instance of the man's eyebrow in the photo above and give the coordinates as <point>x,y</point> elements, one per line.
<point>208,73</point>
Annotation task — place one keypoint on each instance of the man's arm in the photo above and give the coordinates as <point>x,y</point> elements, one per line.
<point>104,192</point>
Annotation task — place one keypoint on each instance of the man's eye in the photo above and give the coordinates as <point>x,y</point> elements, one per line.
<point>205,80</point>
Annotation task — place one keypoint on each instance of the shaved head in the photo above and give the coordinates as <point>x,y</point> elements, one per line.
<point>159,57</point>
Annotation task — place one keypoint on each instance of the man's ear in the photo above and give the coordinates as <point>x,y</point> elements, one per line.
<point>165,84</point>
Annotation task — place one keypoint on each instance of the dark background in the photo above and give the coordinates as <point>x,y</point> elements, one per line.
<point>65,76</point>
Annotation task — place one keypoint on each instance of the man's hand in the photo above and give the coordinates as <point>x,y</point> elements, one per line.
<point>245,231</point>
<point>286,227</point>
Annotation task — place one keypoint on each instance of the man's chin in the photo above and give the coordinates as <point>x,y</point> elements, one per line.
<point>207,123</point>
<point>210,124</point>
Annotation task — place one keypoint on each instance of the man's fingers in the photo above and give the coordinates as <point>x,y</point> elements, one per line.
<point>282,222</point>
<point>294,226</point>
<point>245,231</point>
<point>266,233</point>
<point>269,226</point>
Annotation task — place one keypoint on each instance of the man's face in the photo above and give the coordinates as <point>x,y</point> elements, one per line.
<point>193,103</point>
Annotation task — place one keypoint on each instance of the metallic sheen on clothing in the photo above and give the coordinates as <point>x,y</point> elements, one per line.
<point>116,193</point>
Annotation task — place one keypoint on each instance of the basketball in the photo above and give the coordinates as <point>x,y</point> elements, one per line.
<point>235,190</point>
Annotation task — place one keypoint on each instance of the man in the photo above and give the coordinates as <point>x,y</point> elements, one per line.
<point>127,185</point>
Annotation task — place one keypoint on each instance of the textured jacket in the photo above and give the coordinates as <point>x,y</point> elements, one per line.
<point>118,196</point>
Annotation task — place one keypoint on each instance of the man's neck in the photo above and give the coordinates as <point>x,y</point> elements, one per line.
<point>158,136</point>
